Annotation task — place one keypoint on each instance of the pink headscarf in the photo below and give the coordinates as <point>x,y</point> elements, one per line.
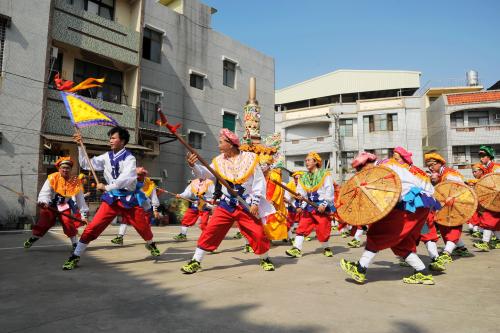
<point>363,158</point>
<point>233,138</point>
<point>405,155</point>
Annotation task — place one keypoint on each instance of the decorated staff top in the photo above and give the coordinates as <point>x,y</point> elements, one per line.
<point>252,114</point>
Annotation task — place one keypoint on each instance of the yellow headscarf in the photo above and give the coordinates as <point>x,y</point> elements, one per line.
<point>315,156</point>
<point>434,156</point>
<point>265,159</point>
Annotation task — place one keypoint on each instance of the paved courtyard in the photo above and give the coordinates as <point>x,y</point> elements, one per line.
<point>123,289</point>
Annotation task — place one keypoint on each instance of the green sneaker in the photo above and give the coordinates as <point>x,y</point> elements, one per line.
<point>483,246</point>
<point>354,243</point>
<point>351,268</point>
<point>238,235</point>
<point>308,239</point>
<point>345,234</point>
<point>403,263</point>
<point>247,249</point>
<point>436,265</point>
<point>267,265</point>
<point>327,252</point>
<point>477,234</point>
<point>333,228</point>
<point>153,249</point>
<point>71,263</point>
<point>118,240</point>
<point>191,267</point>
<point>445,258</point>
<point>419,278</point>
<point>29,242</point>
<point>294,252</point>
<point>180,238</point>
<point>461,252</point>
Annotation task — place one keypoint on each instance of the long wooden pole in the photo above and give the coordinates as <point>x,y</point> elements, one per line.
<point>295,194</point>
<point>213,172</point>
<point>77,130</point>
<point>175,194</point>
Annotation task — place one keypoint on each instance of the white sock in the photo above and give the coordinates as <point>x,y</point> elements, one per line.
<point>432,249</point>
<point>366,258</point>
<point>414,261</point>
<point>299,240</point>
<point>123,229</point>
<point>358,234</point>
<point>449,247</point>
<point>184,230</point>
<point>325,244</point>
<point>80,248</point>
<point>149,241</point>
<point>74,239</point>
<point>460,243</point>
<point>476,228</point>
<point>199,254</point>
<point>264,256</point>
<point>290,235</point>
<point>487,235</point>
<point>497,234</point>
<point>471,227</point>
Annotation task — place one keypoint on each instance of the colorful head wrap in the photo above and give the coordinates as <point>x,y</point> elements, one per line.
<point>232,137</point>
<point>488,151</point>
<point>405,155</point>
<point>314,155</point>
<point>363,158</point>
<point>434,156</point>
<point>141,171</point>
<point>297,173</point>
<point>64,160</point>
<point>265,159</point>
<point>479,166</point>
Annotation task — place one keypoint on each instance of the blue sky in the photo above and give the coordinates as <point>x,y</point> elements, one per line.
<point>442,38</point>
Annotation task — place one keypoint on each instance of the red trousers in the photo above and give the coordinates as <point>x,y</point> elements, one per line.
<point>490,220</point>
<point>135,216</point>
<point>191,216</point>
<point>293,217</point>
<point>399,231</point>
<point>450,234</point>
<point>220,223</point>
<point>48,219</point>
<point>313,220</point>
<point>474,220</point>
<point>431,235</point>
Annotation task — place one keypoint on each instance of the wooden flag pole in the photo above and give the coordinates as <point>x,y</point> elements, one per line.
<point>77,130</point>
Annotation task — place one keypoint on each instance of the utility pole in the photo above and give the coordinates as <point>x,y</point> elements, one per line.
<point>337,144</point>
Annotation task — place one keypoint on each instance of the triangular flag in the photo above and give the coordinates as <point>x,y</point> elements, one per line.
<point>82,113</point>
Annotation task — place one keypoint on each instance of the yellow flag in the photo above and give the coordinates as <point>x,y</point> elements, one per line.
<point>82,113</point>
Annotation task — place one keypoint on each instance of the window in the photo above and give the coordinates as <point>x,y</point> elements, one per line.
<point>380,122</point>
<point>195,139</point>
<point>196,81</point>
<point>346,127</point>
<point>459,155</point>
<point>3,24</point>
<point>382,153</point>
<point>346,158</point>
<point>228,73</point>
<point>478,118</point>
<point>151,45</point>
<point>149,104</point>
<point>103,8</point>
<point>229,121</point>
<point>298,164</point>
<point>457,119</point>
<point>111,90</point>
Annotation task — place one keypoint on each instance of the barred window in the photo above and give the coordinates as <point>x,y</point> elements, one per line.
<point>3,24</point>
<point>149,104</point>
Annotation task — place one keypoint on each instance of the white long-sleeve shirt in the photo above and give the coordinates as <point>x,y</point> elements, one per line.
<point>254,185</point>
<point>47,194</point>
<point>208,195</point>
<point>325,192</point>
<point>126,180</point>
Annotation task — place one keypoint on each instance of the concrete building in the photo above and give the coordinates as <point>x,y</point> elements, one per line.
<point>198,76</point>
<point>360,110</point>
<point>458,123</point>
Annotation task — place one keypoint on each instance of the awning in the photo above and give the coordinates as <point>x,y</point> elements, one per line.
<point>92,142</point>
